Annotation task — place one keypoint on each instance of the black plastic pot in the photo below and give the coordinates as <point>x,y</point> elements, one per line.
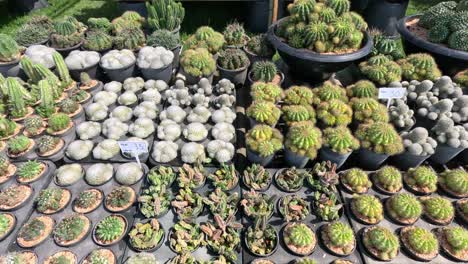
<point>176,51</point>
<point>405,160</point>
<point>312,66</point>
<point>250,80</point>
<point>278,172</point>
<point>164,74</point>
<point>65,51</point>
<point>334,157</point>
<point>10,69</point>
<point>235,76</point>
<point>120,75</point>
<point>449,60</point>
<point>424,122</point>
<point>91,71</point>
<point>254,57</point>
<point>256,158</point>
<point>384,15</point>
<point>444,153</point>
<point>464,156</point>
<point>292,159</point>
<point>96,240</point>
<point>359,5</point>
<point>163,238</point>
<point>262,255</point>
<point>369,159</point>
<point>190,80</point>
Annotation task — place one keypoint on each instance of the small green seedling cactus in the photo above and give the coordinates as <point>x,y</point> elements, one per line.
<point>264,71</point>
<point>334,113</point>
<point>367,208</point>
<point>299,238</point>
<point>264,112</point>
<point>422,179</point>
<point>457,238</point>
<point>33,125</point>
<point>438,209</point>
<point>380,138</point>
<point>261,91</point>
<point>19,144</point>
<point>404,207</point>
<point>356,180</point>
<point>340,140</point>
<point>382,242</point>
<point>389,179</point>
<point>304,139</point>
<point>419,66</point>
<point>455,181</point>
<point>297,113</point>
<point>264,140</point>
<point>362,89</point>
<point>339,237</point>
<point>298,95</point>
<point>381,70</point>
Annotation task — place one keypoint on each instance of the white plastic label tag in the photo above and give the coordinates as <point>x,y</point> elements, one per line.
<point>391,93</point>
<point>135,147</point>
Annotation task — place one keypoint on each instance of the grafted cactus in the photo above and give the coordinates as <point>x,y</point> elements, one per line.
<point>383,241</point>
<point>264,140</point>
<point>304,139</point>
<point>380,138</point>
<point>389,178</point>
<point>368,208</point>
<point>356,180</point>
<point>455,181</point>
<point>404,207</point>
<point>422,178</point>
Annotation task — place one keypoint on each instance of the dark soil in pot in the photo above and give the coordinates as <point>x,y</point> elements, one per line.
<point>10,69</point>
<point>235,76</point>
<point>91,71</point>
<point>164,73</point>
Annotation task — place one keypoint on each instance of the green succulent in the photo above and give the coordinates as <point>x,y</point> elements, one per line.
<point>187,204</point>
<point>368,110</point>
<point>260,46</point>
<point>58,122</point>
<point>457,238</point>
<point>28,35</point>
<point>298,235</point>
<point>8,127</point>
<point>191,176</point>
<point>98,41</point>
<point>256,205</point>
<point>264,71</point>
<point>380,138</point>
<point>462,78</point>
<point>264,112</point>
<point>18,144</point>
<point>62,71</point>
<point>389,178</point>
<point>33,124</point>
<point>438,34</point>
<point>357,180</point>
<point>145,236</point>
<point>198,62</point>
<point>4,165</point>
<point>221,203</point>
<point>334,113</point>
<point>234,34</point>
<point>185,237</point>
<point>438,208</point>
<point>298,95</point>
<point>422,178</point>
<point>293,208</point>
<point>163,38</point>
<point>381,70</point>
<point>256,177</point>
<point>430,16</point>
<point>340,6</point>
<point>384,45</point>
<point>17,96</point>
<point>119,197</point>
<point>264,140</point>
<point>261,91</point>
<point>456,181</point>
<point>290,179</point>
<point>404,207</point>
<point>130,38</point>
<point>224,177</point>
<point>340,140</point>
<point>421,240</point>
<point>46,107</point>
<point>419,66</point>
<point>110,228</point>
<point>304,139</point>
<point>340,235</point>
<point>205,37</point>
<point>47,143</point>
<point>9,49</point>
<point>261,238</point>
<point>49,199</point>
<point>161,176</point>
<point>29,170</point>
<point>65,34</point>
<point>5,224</point>
<point>32,230</point>
<point>86,199</point>
<point>223,237</point>
<point>233,59</point>
<point>383,241</point>
<point>165,14</point>
<point>329,91</point>
<point>368,207</point>
<point>99,24</point>
<point>70,228</point>
<point>297,113</point>
<point>362,89</point>
<point>458,39</point>
<point>305,261</point>
<point>68,106</point>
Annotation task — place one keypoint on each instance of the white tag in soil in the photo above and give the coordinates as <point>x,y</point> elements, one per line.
<point>391,93</point>
<point>135,147</point>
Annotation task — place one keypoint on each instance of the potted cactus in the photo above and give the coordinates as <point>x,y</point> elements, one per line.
<point>7,169</point>
<point>355,180</point>
<point>146,236</point>
<point>298,95</point>
<point>374,151</point>
<point>47,105</point>
<point>154,201</point>
<point>82,61</point>
<point>419,146</point>
<point>368,110</point>
<point>19,146</point>
<point>438,210</point>
<point>334,113</point>
<point>187,204</point>
<point>62,256</point>
<point>192,177</point>
<point>9,128</point>
<point>235,35</point>
<point>221,203</point>
<point>258,49</point>
<point>419,242</point>
<point>118,64</point>
<point>35,231</point>
<point>265,71</point>
<point>27,257</point>
<point>362,89</point>
<point>34,126</point>
<point>256,205</point>
<point>325,200</point>
<point>449,144</point>
<point>182,258</point>
<point>165,14</point>
<point>422,180</point>
<point>461,207</point>
<point>451,241</point>
<point>9,56</point>
<point>263,112</point>
<point>338,144</point>
<point>381,243</point>
<point>18,108</point>
<point>256,177</point>
<point>156,63</point>
<point>185,237</point>
<point>293,208</point>
<point>52,200</point>
<point>225,177</point>
<point>67,35</point>
<point>262,91</point>
<point>299,238</point>
<point>292,114</point>
<point>454,182</point>
<point>71,230</point>
<point>164,38</point>
<point>98,255</point>
<point>14,196</point>
<point>131,38</point>
<point>223,237</point>
<point>98,40</point>
<point>72,108</point>
<point>404,208</point>
<point>381,70</point>
<point>88,201</point>
<point>161,176</point>
<point>388,180</point>
<point>338,238</point>
<point>68,175</point>
<point>291,179</point>
<point>303,140</point>
<point>262,143</point>
<point>142,257</point>
<point>261,238</point>
<point>329,90</point>
<point>49,145</point>
<point>120,199</point>
<point>233,64</point>
<point>7,224</point>
<point>367,209</point>
<point>110,230</point>
<point>196,64</point>
<point>30,171</point>
<point>59,124</point>
<point>66,82</point>
<point>205,37</point>
<point>34,32</point>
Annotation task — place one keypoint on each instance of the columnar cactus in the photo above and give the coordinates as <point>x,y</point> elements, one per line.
<point>264,112</point>
<point>233,59</point>
<point>47,105</point>
<point>165,14</point>
<point>367,110</point>
<point>362,89</point>
<point>16,97</point>
<point>9,50</point>
<point>334,113</point>
<point>380,138</point>
<point>266,92</point>
<point>62,70</point>
<point>340,140</point>
<point>234,34</point>
<point>388,178</point>
<point>404,207</point>
<point>264,140</point>
<point>381,70</point>
<point>420,240</point>
<point>264,71</point>
<point>198,62</point>
<point>304,139</point>
<point>298,95</point>
<point>298,113</point>
<point>382,241</point>
<point>419,66</point>
<point>205,37</point>
<point>455,181</point>
<point>367,208</point>
<point>328,91</point>
<point>97,41</point>
<point>438,209</point>
<point>356,180</point>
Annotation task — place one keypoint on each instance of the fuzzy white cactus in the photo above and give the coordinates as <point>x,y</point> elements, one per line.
<point>400,114</point>
<point>128,173</point>
<point>41,54</point>
<point>436,110</point>
<point>134,84</point>
<point>199,99</point>
<point>169,130</point>
<point>79,149</point>
<point>203,87</point>
<point>444,87</point>
<point>224,114</point>
<point>220,150</point>
<point>114,87</point>
<point>104,97</point>
<point>88,130</point>
<point>96,112</point>
<point>225,86</point>
<point>113,128</point>
<point>151,95</point>
<point>164,151</point>
<point>159,85</point>
<point>224,100</point>
<point>99,173</point>
<point>127,98</point>
<point>143,127</point>
<point>193,152</point>
<point>417,142</point>
<point>146,109</point>
<point>123,113</point>
<point>199,114</point>
<point>446,132</point>
<point>223,131</point>
<point>174,113</point>
<point>195,132</point>
<point>118,59</point>
<point>69,174</point>
<point>460,109</point>
<point>78,59</point>
<point>154,58</point>
<point>178,94</point>
<point>106,149</point>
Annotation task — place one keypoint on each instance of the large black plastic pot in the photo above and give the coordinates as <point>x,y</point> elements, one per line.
<point>119,75</point>
<point>405,160</point>
<point>384,15</point>
<point>369,159</point>
<point>164,73</point>
<point>10,69</point>
<point>450,61</point>
<point>235,76</point>
<point>444,153</point>
<point>311,66</point>
<point>137,6</point>
<point>91,71</point>
<point>326,154</point>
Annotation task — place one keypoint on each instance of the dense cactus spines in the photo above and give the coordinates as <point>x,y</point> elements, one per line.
<point>386,46</point>
<point>28,35</point>
<point>18,144</point>
<point>97,41</point>
<point>110,229</point>
<point>458,40</point>
<point>165,14</point>
<point>334,113</point>
<point>356,180</point>
<point>262,91</point>
<point>304,139</point>
<point>298,95</point>
<point>299,238</point>
<point>234,34</point>
<point>438,34</point>
<point>264,71</point>
<point>382,242</point>
<point>419,66</point>
<point>17,98</point>
<point>438,209</point>
<point>9,50</point>
<point>297,113</point>
<point>205,37</point>
<point>455,181</point>
<point>380,137</point>
<point>62,70</point>
<point>368,208</point>
<point>58,122</point>
<point>99,24</point>
<point>457,238</point>
<point>68,106</point>
<point>29,170</point>
<point>422,178</point>
<point>198,62</point>
<point>340,140</point>
<point>47,143</point>
<point>362,89</point>
<point>389,178</point>
<point>46,106</point>
<point>233,59</point>
<point>339,235</point>
<point>65,34</point>
<point>264,140</point>
<point>430,16</point>
<point>328,91</point>
<point>381,70</point>
<point>130,38</point>
<point>420,240</point>
<point>7,127</point>
<point>163,38</point>
<point>4,165</point>
<point>264,112</point>
<point>259,46</point>
<point>404,207</point>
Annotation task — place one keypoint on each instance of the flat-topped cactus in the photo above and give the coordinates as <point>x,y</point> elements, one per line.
<point>389,179</point>
<point>356,180</point>
<point>367,208</point>
<point>264,112</point>
<point>422,178</point>
<point>328,91</point>
<point>264,140</point>
<point>297,113</point>
<point>404,208</point>
<point>438,209</point>
<point>419,66</point>
<point>381,242</point>
<point>455,182</point>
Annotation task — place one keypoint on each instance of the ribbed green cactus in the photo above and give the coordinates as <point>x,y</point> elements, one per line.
<point>33,124</point>
<point>264,112</point>
<point>457,238</point>
<point>97,41</point>
<point>18,144</point>
<point>422,178</point>
<point>28,68</point>
<point>438,208</point>
<point>334,113</point>
<point>458,40</point>
<point>299,235</point>
<point>340,234</point>
<point>381,70</point>
<point>362,89</point>
<point>301,9</point>
<point>421,240</point>
<point>297,113</point>
<point>9,50</point>
<point>357,180</point>
<point>383,241</point>
<point>298,95</point>
<point>62,70</point>
<point>389,178</point>
<point>234,34</point>
<point>404,207</point>
<point>419,66</point>
<point>304,139</point>
<point>58,122</point>
<point>380,137</point>
<point>438,34</point>
<point>264,71</point>
<point>16,96</point>
<point>47,105</point>
<point>205,37</point>
<point>130,38</point>
<point>163,38</point>
<point>28,35</point>
<point>165,14</point>
<point>340,140</point>
<point>328,91</point>
<point>384,45</point>
<point>316,34</point>
<point>455,181</point>
<point>264,140</point>
<point>260,46</point>
<point>47,143</point>
<point>461,78</point>
<point>368,207</point>
<point>340,6</point>
<point>261,91</point>
<point>7,127</point>
<point>198,62</point>
<point>99,24</point>
<point>54,82</point>
<point>233,59</point>
<point>66,34</point>
<point>4,165</point>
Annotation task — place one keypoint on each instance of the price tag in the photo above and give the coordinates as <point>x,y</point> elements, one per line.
<point>135,147</point>
<point>391,93</point>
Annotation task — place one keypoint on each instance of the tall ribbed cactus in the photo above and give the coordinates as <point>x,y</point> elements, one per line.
<point>62,70</point>
<point>28,67</point>
<point>9,50</point>
<point>47,106</point>
<point>53,80</point>
<point>16,100</point>
<point>164,14</point>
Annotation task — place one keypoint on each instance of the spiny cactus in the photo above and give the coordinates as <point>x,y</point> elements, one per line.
<point>262,91</point>
<point>259,46</point>
<point>298,113</point>
<point>130,38</point>
<point>205,37</point>
<point>68,106</point>
<point>334,113</point>
<point>389,178</point>
<point>110,228</point>
<point>97,41</point>
<point>66,34</point>
<point>462,78</point>
<point>298,95</point>
<point>299,237</point>
<point>165,14</point>
<point>234,34</point>
<point>233,59</point>
<point>431,15</point>
<point>457,238</point>
<point>381,70</point>
<point>9,50</point>
<point>329,91</point>
<point>264,112</point>
<point>46,106</point>
<point>422,178</point>
<point>421,240</point>
<point>340,140</point>
<point>4,165</point>
<point>340,235</point>
<point>163,38</point>
<point>17,98</point>
<point>30,34</point>
<point>256,177</point>
<point>304,139</point>
<point>264,140</point>
<point>18,144</point>
<point>7,127</point>
<point>380,138</point>
<point>62,70</point>
<point>29,170</point>
<point>458,39</point>
<point>404,207</point>
<point>99,24</point>
<point>455,181</point>
<point>438,208</point>
<point>357,180</point>
<point>58,122</point>
<point>47,143</point>
<point>368,208</point>
<point>198,62</point>
<point>438,34</point>
<point>362,89</point>
<point>264,71</point>
<point>383,241</point>
<point>419,66</point>
<point>384,45</point>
